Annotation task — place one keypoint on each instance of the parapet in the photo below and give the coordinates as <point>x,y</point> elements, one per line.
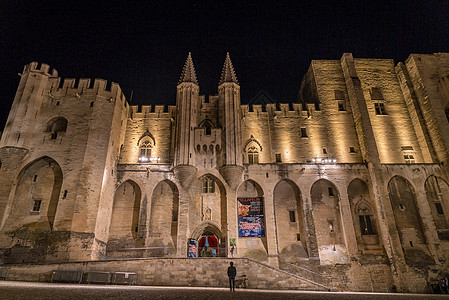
<point>40,68</point>
<point>152,111</point>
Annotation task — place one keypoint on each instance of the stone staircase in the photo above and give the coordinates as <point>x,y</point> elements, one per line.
<point>204,272</point>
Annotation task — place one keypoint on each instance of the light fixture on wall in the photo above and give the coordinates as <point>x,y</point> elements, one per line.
<point>324,160</point>
<point>149,159</point>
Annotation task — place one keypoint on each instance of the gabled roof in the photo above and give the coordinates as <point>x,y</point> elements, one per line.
<point>228,73</point>
<point>188,72</point>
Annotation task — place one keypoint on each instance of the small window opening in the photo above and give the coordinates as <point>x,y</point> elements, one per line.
<point>37,205</point>
<point>298,236</point>
<point>366,226</point>
<point>341,106</point>
<point>208,186</point>
<point>351,149</point>
<point>35,178</point>
<point>64,194</point>
<point>411,243</point>
<point>136,229</point>
<point>331,191</point>
<point>439,208</point>
<point>278,157</point>
<point>409,158</point>
<point>331,226</point>
<point>292,216</point>
<point>92,104</point>
<point>304,132</point>
<point>57,103</point>
<point>401,206</point>
<point>266,175</point>
<point>380,108</point>
<point>324,150</point>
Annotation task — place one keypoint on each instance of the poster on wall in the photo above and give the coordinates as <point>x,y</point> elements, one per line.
<point>250,215</point>
<point>193,248</point>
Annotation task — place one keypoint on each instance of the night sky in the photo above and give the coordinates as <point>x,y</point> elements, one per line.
<point>143,45</point>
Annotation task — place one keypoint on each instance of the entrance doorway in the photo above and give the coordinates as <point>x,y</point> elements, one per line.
<point>208,245</point>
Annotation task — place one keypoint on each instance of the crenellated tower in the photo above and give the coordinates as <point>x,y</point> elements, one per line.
<point>187,105</point>
<point>229,106</point>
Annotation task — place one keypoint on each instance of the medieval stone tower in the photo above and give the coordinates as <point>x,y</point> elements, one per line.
<point>351,180</point>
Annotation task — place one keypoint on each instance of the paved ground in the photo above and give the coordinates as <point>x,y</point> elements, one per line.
<point>33,290</point>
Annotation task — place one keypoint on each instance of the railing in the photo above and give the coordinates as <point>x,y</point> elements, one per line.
<point>67,276</point>
<point>311,275</point>
<point>99,277</point>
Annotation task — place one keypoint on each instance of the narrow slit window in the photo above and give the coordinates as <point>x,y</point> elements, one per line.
<point>292,216</point>
<point>37,205</point>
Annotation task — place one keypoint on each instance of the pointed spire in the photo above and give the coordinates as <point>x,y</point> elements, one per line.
<point>228,73</point>
<point>188,72</point>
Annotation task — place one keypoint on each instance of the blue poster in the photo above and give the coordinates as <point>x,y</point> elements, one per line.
<point>250,215</point>
<point>193,248</point>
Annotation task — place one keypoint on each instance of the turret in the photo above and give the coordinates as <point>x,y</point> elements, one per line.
<point>187,106</point>
<point>27,102</point>
<point>229,104</point>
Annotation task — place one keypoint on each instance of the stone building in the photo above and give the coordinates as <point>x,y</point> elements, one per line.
<point>351,181</point>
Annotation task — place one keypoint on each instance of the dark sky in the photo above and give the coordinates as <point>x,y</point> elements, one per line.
<point>143,45</point>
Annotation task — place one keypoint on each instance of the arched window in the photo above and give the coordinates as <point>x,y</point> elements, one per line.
<point>56,125</point>
<point>253,155</point>
<point>365,218</point>
<point>145,151</point>
<point>252,148</point>
<point>208,125</point>
<point>208,185</point>
<point>146,148</point>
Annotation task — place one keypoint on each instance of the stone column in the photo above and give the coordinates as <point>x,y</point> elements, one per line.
<point>183,223</point>
<point>347,224</point>
<point>232,221</point>
<point>270,230</point>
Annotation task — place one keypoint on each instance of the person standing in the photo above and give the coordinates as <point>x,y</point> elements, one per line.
<point>232,250</point>
<point>232,272</point>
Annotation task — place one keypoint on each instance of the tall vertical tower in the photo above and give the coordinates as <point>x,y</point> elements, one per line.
<point>229,104</point>
<point>187,105</point>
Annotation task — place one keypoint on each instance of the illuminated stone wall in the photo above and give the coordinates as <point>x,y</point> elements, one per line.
<point>353,176</point>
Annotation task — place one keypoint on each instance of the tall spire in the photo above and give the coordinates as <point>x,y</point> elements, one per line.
<point>228,73</point>
<point>188,72</point>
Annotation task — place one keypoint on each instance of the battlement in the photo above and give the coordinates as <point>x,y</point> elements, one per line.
<point>289,109</point>
<point>40,68</point>
<point>152,111</point>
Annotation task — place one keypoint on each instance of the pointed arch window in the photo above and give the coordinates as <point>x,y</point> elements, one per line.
<point>253,148</point>
<point>145,151</point>
<point>365,219</point>
<point>207,125</point>
<point>208,186</point>
<point>56,125</point>
<point>253,155</point>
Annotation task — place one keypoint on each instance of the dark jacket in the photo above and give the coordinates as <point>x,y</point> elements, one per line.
<point>232,271</point>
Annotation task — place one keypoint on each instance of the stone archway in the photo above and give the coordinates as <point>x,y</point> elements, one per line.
<point>36,195</point>
<point>252,238</point>
<point>437,193</point>
<point>210,240</point>
<point>124,226</point>
<point>163,220</point>
<point>290,225</point>
<point>408,221</point>
<point>363,216</point>
<point>328,224</point>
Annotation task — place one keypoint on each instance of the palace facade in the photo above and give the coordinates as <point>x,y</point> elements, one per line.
<point>351,181</point>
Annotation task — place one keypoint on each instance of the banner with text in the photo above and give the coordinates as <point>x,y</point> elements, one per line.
<point>250,214</point>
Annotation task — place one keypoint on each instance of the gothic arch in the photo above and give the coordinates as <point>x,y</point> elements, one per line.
<point>124,225</point>
<point>36,194</point>
<point>253,141</point>
<point>206,226</point>
<point>147,136</point>
<point>363,215</point>
<point>290,224</point>
<point>408,220</point>
<point>163,219</point>
<point>437,194</point>
<point>328,223</point>
<point>56,125</point>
